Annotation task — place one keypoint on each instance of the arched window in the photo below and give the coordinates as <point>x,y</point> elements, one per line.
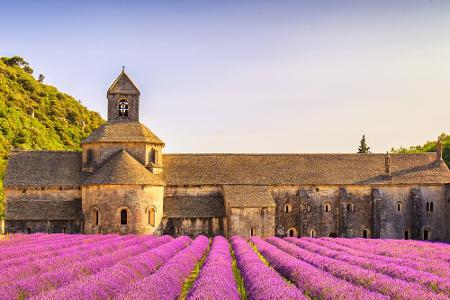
<point>365,233</point>
<point>406,235</point>
<point>123,217</point>
<point>287,208</point>
<point>252,231</point>
<point>178,230</point>
<point>327,207</point>
<point>426,234</point>
<point>151,216</point>
<point>89,156</point>
<point>312,233</point>
<point>292,232</point>
<point>123,108</point>
<point>95,217</point>
<point>428,206</point>
<point>399,206</point>
<point>152,155</point>
<point>350,207</point>
<point>431,206</point>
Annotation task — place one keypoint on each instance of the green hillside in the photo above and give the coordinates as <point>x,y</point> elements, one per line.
<point>429,147</point>
<point>34,115</point>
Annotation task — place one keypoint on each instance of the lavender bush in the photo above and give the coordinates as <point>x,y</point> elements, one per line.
<point>260,281</point>
<point>216,279</point>
<point>310,280</point>
<point>168,281</point>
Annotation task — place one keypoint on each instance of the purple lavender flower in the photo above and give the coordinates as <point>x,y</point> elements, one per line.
<point>431,281</point>
<point>167,282</point>
<point>260,281</point>
<point>371,280</point>
<point>216,279</point>
<point>310,280</point>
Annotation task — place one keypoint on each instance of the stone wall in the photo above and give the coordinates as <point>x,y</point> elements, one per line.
<point>109,200</point>
<point>51,210</point>
<point>247,221</point>
<point>357,211</point>
<point>194,226</point>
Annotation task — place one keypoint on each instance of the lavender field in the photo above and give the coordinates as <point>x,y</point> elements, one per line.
<point>58,266</point>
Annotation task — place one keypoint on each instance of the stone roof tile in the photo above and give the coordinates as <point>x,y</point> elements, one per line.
<point>122,168</point>
<point>122,132</point>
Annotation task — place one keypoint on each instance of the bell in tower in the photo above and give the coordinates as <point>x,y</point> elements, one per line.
<point>123,100</point>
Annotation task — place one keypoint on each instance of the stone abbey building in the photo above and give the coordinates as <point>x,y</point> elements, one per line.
<point>122,182</point>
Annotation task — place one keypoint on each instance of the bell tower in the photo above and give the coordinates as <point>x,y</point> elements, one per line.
<point>123,100</point>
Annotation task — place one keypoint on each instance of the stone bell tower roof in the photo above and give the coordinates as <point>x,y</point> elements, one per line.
<point>123,85</point>
<point>123,100</point>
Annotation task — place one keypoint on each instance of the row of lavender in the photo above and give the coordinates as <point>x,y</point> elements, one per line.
<point>131,267</point>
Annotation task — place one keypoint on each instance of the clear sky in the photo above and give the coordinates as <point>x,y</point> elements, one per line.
<point>251,76</point>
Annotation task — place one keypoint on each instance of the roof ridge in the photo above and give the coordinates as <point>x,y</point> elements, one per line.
<point>288,154</point>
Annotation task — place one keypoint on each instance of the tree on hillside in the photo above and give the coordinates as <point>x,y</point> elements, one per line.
<point>363,148</point>
<point>41,78</point>
<point>18,61</point>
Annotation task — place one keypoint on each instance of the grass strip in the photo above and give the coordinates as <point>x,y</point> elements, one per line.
<point>265,261</point>
<point>187,285</point>
<point>237,276</point>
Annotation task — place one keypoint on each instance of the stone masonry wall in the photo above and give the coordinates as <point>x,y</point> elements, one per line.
<point>359,210</point>
<point>111,199</point>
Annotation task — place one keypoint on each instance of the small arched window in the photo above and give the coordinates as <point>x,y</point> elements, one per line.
<point>178,230</point>
<point>312,233</point>
<point>89,156</point>
<point>431,206</point>
<point>292,232</point>
<point>123,108</point>
<point>152,155</point>
<point>95,216</point>
<point>151,216</point>
<point>399,206</point>
<point>287,208</point>
<point>252,231</point>
<point>327,207</point>
<point>428,206</point>
<point>350,207</point>
<point>123,217</point>
<point>406,235</point>
<point>308,208</point>
<point>365,233</point>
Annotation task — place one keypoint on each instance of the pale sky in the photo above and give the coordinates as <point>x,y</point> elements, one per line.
<point>251,76</point>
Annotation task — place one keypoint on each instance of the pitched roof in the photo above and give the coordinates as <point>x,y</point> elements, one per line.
<point>63,168</point>
<point>43,210</point>
<point>188,206</point>
<point>247,196</point>
<point>122,168</point>
<point>43,168</point>
<point>124,85</point>
<point>301,169</point>
<point>123,132</point>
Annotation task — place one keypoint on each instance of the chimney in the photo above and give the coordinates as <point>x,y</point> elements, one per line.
<point>439,150</point>
<point>387,165</point>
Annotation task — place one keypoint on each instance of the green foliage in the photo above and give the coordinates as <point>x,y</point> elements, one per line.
<point>238,276</point>
<point>363,148</point>
<point>189,282</point>
<point>37,116</point>
<point>429,146</point>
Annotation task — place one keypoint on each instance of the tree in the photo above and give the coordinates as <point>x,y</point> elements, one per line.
<point>363,148</point>
<point>41,78</point>
<point>18,61</point>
